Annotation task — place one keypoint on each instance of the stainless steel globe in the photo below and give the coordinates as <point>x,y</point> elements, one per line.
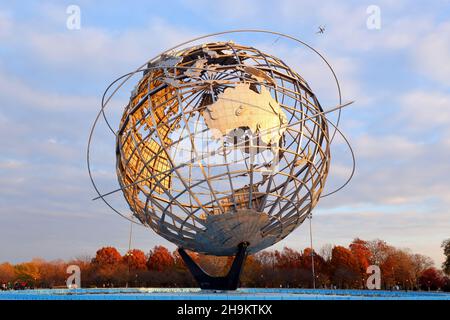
<point>222,144</point>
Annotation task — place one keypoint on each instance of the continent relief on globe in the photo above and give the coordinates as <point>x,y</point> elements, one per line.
<point>241,106</point>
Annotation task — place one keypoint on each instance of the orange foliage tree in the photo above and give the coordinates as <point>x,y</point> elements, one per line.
<point>397,269</point>
<point>336,265</point>
<point>135,259</point>
<point>344,268</point>
<point>361,253</point>
<point>108,266</point>
<point>30,272</point>
<point>321,268</point>
<point>252,273</point>
<point>107,256</point>
<point>7,273</point>
<point>288,258</point>
<point>160,259</point>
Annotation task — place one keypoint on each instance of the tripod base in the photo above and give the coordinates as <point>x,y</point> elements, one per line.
<point>208,282</point>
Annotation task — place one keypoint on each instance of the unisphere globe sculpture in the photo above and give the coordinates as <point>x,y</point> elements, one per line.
<point>222,144</point>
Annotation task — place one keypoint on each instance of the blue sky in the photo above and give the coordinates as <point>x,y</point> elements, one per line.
<point>52,78</point>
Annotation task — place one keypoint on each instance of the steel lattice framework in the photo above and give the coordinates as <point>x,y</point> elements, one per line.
<point>256,183</point>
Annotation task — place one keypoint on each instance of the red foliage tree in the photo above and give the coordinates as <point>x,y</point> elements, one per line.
<point>107,256</point>
<point>342,256</point>
<point>307,259</point>
<point>108,267</point>
<point>320,268</point>
<point>361,253</point>
<point>288,258</point>
<point>419,264</point>
<point>160,259</point>
<point>431,279</point>
<point>344,267</point>
<point>135,259</point>
<point>252,273</point>
<point>287,268</point>
<point>398,268</point>
<point>319,261</point>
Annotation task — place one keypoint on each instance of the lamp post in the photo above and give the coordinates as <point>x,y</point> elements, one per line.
<point>129,254</point>
<point>312,251</point>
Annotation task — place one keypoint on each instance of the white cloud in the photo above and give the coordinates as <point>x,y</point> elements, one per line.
<point>11,164</point>
<point>17,92</point>
<point>432,54</point>
<point>98,50</point>
<point>319,77</point>
<point>346,24</point>
<point>6,24</point>
<point>424,110</point>
<point>375,147</point>
<point>234,10</point>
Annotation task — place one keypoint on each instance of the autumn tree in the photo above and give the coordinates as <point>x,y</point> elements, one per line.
<point>135,259</point>
<point>431,279</point>
<point>379,250</point>
<point>107,256</point>
<point>252,273</point>
<point>288,258</point>
<point>325,252</point>
<point>108,266</point>
<point>267,260</point>
<point>289,264</point>
<point>53,273</point>
<point>446,264</point>
<point>321,269</point>
<point>159,259</point>
<point>344,268</point>
<point>361,253</point>
<point>306,259</point>
<point>30,272</point>
<point>7,273</point>
<point>397,268</point>
<point>419,264</point>
<point>289,267</point>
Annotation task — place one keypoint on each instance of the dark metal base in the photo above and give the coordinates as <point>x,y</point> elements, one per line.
<point>208,282</point>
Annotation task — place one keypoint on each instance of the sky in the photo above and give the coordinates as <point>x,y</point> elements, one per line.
<point>52,78</point>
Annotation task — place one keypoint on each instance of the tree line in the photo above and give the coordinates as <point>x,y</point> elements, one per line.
<point>334,267</point>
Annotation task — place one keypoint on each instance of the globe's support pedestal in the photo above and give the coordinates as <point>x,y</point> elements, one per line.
<point>208,282</point>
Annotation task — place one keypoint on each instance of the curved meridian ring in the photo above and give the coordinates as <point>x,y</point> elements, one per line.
<point>222,144</point>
